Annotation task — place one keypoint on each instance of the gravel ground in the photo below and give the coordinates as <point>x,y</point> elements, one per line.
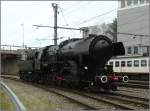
<point>144,93</point>
<point>38,99</point>
<point>35,98</point>
<point>89,101</point>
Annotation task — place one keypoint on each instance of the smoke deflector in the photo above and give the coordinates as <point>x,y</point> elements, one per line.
<point>118,49</point>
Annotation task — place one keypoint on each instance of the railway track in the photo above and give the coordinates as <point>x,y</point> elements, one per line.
<point>119,101</point>
<point>139,82</point>
<point>130,97</point>
<point>75,98</point>
<point>135,84</point>
<point>129,100</point>
<point>71,99</point>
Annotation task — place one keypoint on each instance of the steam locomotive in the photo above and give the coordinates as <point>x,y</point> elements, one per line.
<point>74,63</point>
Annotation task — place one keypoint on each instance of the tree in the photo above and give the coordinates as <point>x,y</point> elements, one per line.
<point>113,30</point>
<point>114,25</point>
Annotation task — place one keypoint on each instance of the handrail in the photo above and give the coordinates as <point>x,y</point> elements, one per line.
<point>14,98</point>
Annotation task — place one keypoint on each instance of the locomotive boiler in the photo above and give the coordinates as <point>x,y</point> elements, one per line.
<point>77,63</point>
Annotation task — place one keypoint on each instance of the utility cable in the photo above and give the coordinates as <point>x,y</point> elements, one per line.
<point>85,21</point>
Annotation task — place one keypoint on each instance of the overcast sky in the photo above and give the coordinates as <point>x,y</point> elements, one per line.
<point>71,14</point>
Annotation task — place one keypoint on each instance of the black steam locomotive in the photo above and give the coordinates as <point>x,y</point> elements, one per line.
<point>77,63</point>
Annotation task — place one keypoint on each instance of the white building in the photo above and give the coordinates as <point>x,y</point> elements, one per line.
<point>134,18</point>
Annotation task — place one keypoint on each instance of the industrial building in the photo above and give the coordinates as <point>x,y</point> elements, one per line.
<point>134,18</point>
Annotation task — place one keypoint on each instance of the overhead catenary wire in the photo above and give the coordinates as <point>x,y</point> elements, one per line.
<point>121,15</point>
<point>64,18</point>
<point>90,18</point>
<point>76,9</point>
<point>85,20</point>
<point>67,23</point>
<point>142,35</point>
<point>65,9</point>
<point>77,3</point>
<point>63,14</point>
<point>59,27</point>
<point>105,13</point>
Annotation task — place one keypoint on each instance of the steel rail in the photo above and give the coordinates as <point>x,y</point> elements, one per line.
<point>129,96</point>
<point>92,96</point>
<point>139,82</point>
<point>134,85</point>
<point>76,92</point>
<point>14,98</point>
<point>55,92</point>
<point>105,100</point>
<point>89,107</point>
<point>111,93</point>
<point>120,98</point>
<point>108,98</point>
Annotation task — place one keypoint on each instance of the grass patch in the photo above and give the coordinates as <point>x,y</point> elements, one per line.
<point>5,102</point>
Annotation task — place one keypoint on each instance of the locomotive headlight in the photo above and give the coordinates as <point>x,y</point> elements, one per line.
<point>85,67</point>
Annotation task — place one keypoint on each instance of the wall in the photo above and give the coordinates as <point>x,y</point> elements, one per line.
<point>134,20</point>
<point>9,66</point>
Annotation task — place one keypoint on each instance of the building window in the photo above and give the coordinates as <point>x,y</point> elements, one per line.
<point>129,2</point>
<point>117,64</point>
<point>136,63</point>
<point>122,3</point>
<point>111,63</point>
<point>143,63</point>
<point>142,1</point>
<point>129,50</point>
<point>136,50</point>
<point>145,50</point>
<point>129,63</point>
<point>135,2</point>
<point>122,63</point>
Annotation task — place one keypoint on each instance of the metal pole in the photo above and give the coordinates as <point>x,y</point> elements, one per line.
<point>54,5</point>
<point>58,27</point>
<point>22,35</point>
